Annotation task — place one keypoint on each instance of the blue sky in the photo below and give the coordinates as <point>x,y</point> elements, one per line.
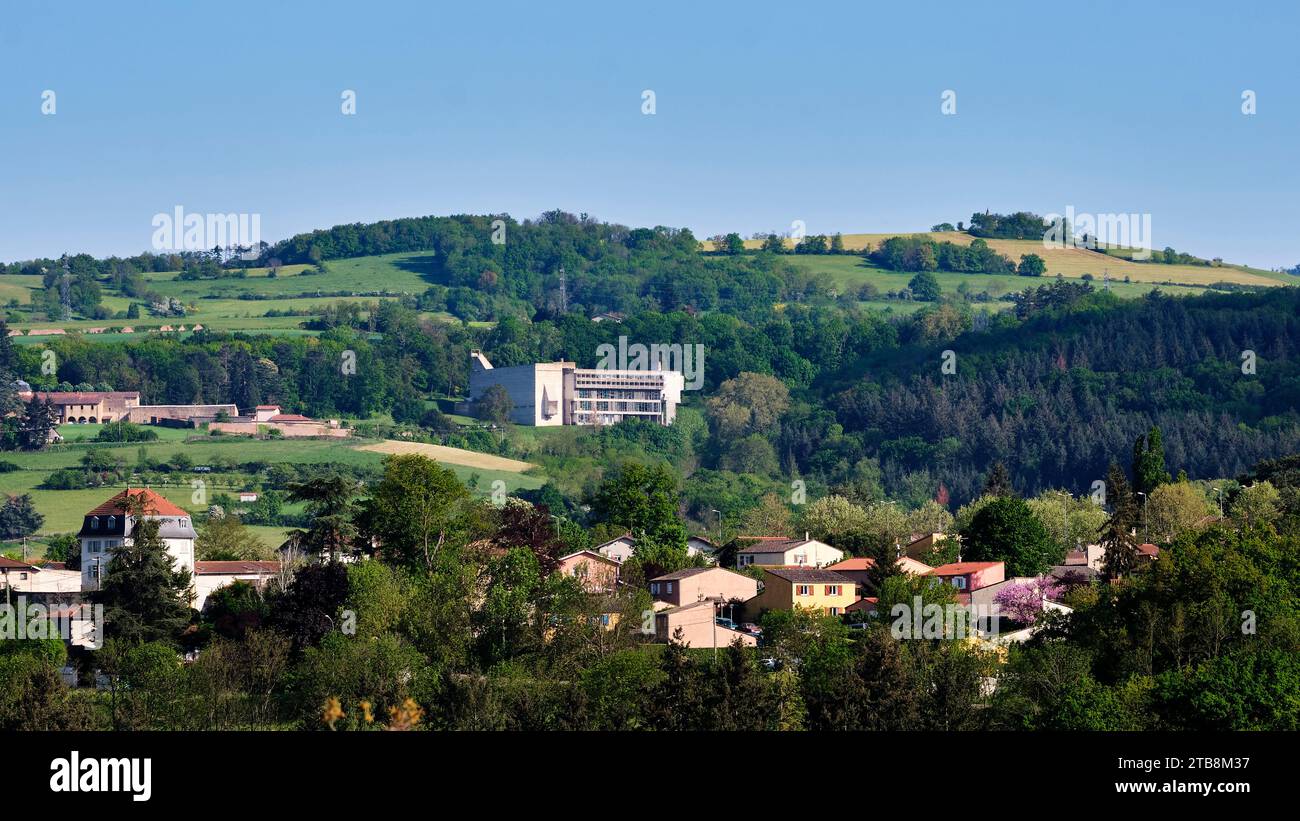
<point>765,114</point>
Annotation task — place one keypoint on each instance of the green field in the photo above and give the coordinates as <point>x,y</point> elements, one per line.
<point>216,304</point>
<point>63,509</point>
<point>1071,263</point>
<point>851,272</point>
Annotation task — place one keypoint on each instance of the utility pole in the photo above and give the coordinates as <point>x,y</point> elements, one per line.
<point>564,292</point>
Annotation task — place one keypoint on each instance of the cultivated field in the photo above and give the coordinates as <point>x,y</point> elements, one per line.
<point>1075,262</point>
<point>850,272</point>
<point>450,456</point>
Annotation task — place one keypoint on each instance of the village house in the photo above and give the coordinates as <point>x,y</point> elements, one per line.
<point>859,569</point>
<point>266,418</point>
<point>621,549</point>
<point>699,583</point>
<point>109,525</point>
<point>47,577</point>
<point>778,551</point>
<point>86,407</point>
<point>209,576</point>
<point>698,623</point>
<point>811,588</point>
<point>967,577</point>
<point>599,574</point>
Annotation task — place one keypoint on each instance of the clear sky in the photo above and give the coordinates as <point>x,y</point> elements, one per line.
<point>765,114</point>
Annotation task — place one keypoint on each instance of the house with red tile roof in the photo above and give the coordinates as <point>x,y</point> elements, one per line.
<point>109,525</point>
<point>859,568</point>
<point>210,576</point>
<point>968,576</point>
<point>46,577</point>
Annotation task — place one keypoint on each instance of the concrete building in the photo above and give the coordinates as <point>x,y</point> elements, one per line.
<point>560,393</point>
<point>109,525</point>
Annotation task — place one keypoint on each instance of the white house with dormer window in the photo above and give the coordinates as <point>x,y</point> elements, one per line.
<point>109,526</point>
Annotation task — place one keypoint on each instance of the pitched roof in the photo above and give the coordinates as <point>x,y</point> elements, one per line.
<point>290,417</point>
<point>11,564</point>
<point>155,504</point>
<point>961,568</point>
<point>593,554</point>
<point>686,573</point>
<point>808,574</point>
<point>85,397</point>
<point>775,546</point>
<point>626,537</point>
<point>1148,549</point>
<point>234,568</point>
<point>860,563</point>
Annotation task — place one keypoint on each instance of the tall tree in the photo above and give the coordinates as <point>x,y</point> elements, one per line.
<point>1149,462</point>
<point>145,597</point>
<point>1116,535</point>
<point>19,517</point>
<point>417,510</point>
<point>998,482</point>
<point>1007,530</point>
<point>330,507</point>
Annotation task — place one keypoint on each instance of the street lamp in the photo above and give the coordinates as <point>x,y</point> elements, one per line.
<point>1145,499</point>
<point>719,512</point>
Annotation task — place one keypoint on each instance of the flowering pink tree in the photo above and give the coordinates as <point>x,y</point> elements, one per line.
<point>1024,602</point>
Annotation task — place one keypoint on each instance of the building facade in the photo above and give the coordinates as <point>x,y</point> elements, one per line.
<point>782,552</point>
<point>110,525</point>
<point>810,588</point>
<point>699,583</point>
<point>548,394</point>
<point>87,407</point>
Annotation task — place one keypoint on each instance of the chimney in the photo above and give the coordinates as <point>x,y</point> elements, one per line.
<point>805,535</point>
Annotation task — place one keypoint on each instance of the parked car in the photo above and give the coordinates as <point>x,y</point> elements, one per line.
<point>724,622</point>
<point>751,628</point>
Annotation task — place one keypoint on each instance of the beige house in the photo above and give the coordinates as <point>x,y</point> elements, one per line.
<point>50,577</point>
<point>87,407</point>
<point>859,569</point>
<point>782,552</point>
<point>699,583</point>
<point>698,625</point>
<point>620,549</point>
<point>599,574</point>
<point>921,546</point>
<point>210,576</point>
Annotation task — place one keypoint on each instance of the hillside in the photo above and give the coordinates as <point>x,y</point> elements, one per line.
<point>1071,263</point>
